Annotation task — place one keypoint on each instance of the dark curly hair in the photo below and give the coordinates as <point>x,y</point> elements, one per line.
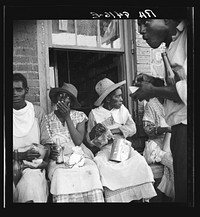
<point>20,77</point>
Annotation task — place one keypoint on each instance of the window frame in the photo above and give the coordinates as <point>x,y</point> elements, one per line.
<point>78,47</point>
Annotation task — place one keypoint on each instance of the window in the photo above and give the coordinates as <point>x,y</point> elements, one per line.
<point>96,34</point>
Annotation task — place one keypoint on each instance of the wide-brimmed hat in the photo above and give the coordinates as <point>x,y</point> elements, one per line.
<point>104,87</point>
<point>66,88</point>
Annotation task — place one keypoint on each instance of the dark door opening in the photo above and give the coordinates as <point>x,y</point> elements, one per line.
<point>84,69</point>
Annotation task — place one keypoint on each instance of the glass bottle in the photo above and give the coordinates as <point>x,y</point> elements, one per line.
<point>17,173</point>
<point>59,159</point>
<point>171,77</point>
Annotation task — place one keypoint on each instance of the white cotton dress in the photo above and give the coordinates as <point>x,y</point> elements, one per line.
<point>124,181</point>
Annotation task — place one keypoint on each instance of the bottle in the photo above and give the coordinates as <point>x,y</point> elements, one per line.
<point>171,77</point>
<point>17,172</point>
<point>59,159</point>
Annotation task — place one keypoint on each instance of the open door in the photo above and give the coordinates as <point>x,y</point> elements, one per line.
<point>84,69</point>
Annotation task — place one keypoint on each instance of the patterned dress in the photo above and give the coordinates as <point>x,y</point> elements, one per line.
<point>81,184</point>
<point>154,116</point>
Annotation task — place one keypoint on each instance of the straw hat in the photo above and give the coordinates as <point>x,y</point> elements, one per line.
<point>66,88</point>
<point>104,87</point>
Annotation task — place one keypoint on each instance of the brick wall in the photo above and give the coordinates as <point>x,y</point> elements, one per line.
<point>25,59</point>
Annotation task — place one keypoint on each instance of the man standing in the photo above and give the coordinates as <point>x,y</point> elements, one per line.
<point>174,34</point>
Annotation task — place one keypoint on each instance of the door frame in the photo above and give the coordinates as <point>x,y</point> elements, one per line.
<point>44,43</point>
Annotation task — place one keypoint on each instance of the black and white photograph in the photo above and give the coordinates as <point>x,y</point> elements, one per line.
<point>98,111</point>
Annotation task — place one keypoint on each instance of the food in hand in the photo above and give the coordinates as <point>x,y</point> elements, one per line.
<point>37,161</point>
<point>133,89</point>
<point>77,158</point>
<point>99,130</point>
<point>103,139</point>
<point>41,149</point>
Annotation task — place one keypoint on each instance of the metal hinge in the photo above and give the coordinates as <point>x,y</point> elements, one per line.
<point>132,47</point>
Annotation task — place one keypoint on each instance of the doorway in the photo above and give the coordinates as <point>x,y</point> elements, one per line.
<point>84,69</point>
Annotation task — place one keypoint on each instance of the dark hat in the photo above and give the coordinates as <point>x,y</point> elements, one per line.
<point>66,88</point>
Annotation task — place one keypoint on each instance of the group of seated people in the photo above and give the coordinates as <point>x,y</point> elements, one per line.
<point>81,175</point>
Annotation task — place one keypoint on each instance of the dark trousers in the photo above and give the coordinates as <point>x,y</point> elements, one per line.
<point>178,145</point>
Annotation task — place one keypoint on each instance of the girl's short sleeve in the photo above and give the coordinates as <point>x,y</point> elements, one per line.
<point>78,117</point>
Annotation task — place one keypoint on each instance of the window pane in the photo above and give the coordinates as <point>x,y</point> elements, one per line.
<point>63,32</point>
<point>110,34</point>
<point>87,33</point>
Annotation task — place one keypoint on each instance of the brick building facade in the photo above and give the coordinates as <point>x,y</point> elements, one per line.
<point>31,53</point>
<point>25,55</point>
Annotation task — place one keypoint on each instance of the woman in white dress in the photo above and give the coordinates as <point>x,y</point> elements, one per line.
<point>131,179</point>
